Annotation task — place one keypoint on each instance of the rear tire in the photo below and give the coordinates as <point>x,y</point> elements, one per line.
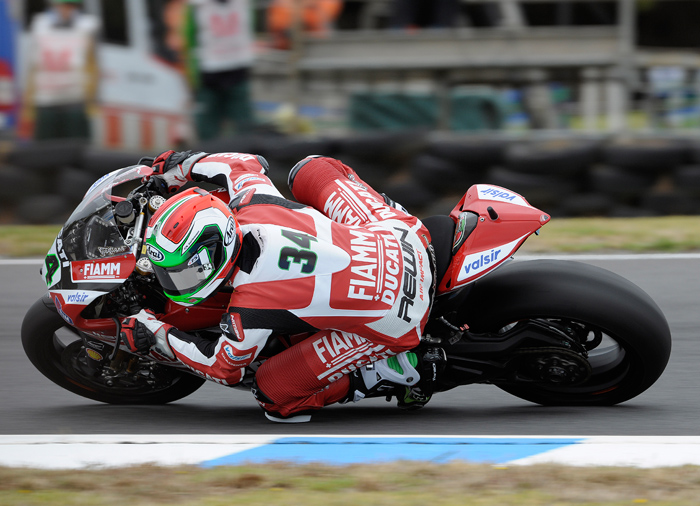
<point>636,338</point>
<point>55,360</point>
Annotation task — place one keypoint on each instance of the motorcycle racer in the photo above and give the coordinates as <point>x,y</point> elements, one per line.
<point>344,263</point>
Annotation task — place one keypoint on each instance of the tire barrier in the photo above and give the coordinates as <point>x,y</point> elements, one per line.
<point>44,208</point>
<point>427,172</point>
<point>440,175</point>
<point>45,156</point>
<point>623,185</point>
<point>650,156</point>
<point>476,154</point>
<point>557,158</point>
<point>99,162</point>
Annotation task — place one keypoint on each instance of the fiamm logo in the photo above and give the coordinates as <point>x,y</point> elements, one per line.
<point>109,270</point>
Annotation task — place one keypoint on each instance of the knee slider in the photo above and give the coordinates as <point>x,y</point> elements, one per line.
<point>295,170</point>
<point>259,394</point>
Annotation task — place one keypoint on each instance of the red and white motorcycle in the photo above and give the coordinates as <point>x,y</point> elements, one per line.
<point>551,332</point>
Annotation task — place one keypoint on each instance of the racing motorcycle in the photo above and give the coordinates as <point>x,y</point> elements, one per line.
<point>547,331</point>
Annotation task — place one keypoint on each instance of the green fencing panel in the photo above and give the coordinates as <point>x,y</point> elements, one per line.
<point>392,111</point>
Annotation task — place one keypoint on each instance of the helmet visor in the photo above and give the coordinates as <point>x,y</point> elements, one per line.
<point>187,278</point>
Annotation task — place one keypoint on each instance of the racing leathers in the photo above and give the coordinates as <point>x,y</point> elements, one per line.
<point>341,264</point>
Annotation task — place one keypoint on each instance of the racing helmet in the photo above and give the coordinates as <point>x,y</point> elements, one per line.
<point>193,241</point>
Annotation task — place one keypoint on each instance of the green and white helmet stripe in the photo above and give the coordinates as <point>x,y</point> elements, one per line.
<point>194,267</point>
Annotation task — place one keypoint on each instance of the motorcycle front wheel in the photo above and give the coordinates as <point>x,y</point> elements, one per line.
<point>53,347</point>
<point>626,335</point>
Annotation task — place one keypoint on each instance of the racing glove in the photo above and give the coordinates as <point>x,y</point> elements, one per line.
<point>174,167</point>
<point>143,330</point>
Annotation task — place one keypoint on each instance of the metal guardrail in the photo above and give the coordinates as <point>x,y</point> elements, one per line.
<point>462,48</point>
<point>601,63</point>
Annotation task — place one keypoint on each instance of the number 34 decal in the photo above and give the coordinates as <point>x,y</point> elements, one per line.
<point>301,255</point>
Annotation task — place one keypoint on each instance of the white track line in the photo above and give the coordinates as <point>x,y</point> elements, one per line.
<point>81,451</point>
<point>21,261</point>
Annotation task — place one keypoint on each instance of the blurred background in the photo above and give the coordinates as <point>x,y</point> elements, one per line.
<point>586,107</point>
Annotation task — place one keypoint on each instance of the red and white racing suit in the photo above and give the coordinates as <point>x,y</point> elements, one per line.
<point>341,263</point>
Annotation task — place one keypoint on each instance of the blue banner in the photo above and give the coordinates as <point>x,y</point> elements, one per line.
<point>8,83</point>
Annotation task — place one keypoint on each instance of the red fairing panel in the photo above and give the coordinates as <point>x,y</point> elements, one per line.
<point>500,231</point>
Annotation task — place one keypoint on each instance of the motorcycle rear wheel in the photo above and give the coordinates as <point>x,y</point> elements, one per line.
<point>636,340</point>
<point>61,362</point>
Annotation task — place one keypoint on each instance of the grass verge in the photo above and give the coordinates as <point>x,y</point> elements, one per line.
<point>668,234</point>
<point>400,484</point>
<point>26,240</point>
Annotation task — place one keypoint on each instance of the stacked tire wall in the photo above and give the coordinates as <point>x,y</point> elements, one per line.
<point>425,171</point>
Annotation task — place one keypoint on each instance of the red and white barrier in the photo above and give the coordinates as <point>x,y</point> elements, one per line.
<point>130,129</point>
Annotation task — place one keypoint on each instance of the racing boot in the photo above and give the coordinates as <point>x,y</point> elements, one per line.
<point>382,377</point>
<point>431,363</point>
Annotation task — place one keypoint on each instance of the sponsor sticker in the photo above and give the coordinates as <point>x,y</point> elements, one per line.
<point>236,358</point>
<point>230,234</point>
<point>100,181</point>
<point>483,261</point>
<point>109,251</point>
<point>52,266</point>
<point>95,271</point>
<point>461,233</point>
<point>76,298</point>
<point>247,179</point>
<point>93,354</point>
<point>60,311</point>
<point>236,156</point>
<point>232,326</point>
<point>154,254</point>
<point>498,194</point>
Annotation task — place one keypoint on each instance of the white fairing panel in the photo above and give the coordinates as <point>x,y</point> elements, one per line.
<point>498,194</point>
<point>477,264</point>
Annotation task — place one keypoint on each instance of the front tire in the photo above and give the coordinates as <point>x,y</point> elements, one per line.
<point>636,340</point>
<point>61,363</point>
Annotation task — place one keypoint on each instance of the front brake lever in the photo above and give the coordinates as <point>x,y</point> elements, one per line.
<point>119,338</point>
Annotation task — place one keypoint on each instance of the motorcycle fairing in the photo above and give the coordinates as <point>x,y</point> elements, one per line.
<point>474,264</point>
<point>52,268</point>
<point>505,221</point>
<point>89,252</point>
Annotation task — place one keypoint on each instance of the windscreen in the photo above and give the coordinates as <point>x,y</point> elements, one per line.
<point>92,232</point>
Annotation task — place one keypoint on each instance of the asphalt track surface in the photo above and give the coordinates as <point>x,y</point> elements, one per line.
<point>31,404</point>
